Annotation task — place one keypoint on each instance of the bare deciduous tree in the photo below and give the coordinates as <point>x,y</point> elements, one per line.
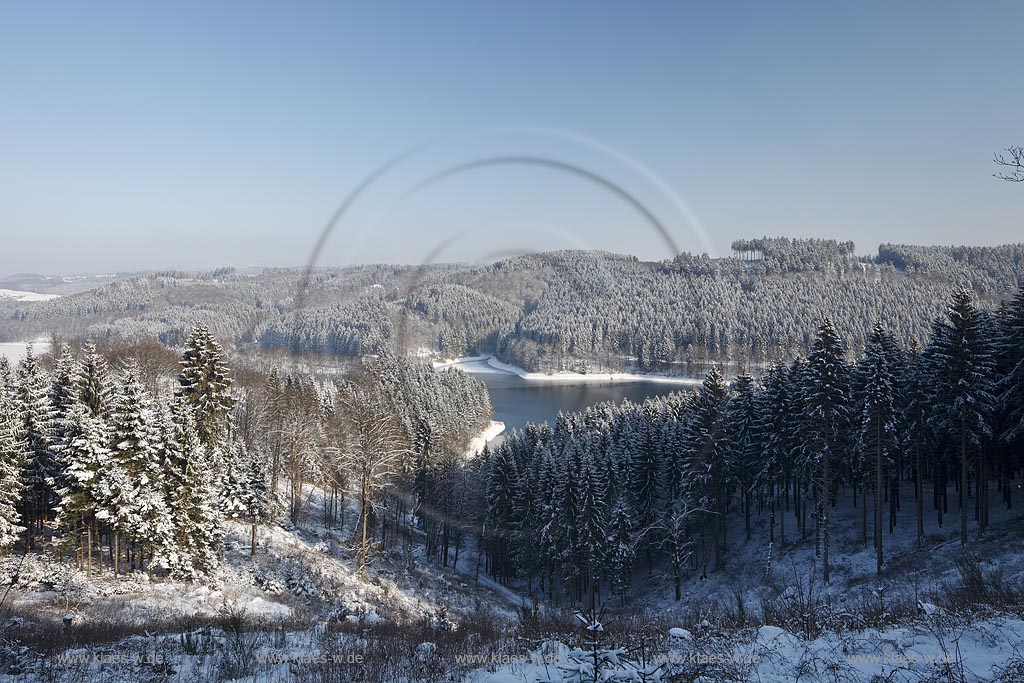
<point>373,451</point>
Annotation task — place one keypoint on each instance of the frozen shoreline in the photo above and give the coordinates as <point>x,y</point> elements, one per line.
<point>477,443</point>
<point>491,365</point>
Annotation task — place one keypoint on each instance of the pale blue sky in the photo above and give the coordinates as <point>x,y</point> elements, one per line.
<point>136,136</point>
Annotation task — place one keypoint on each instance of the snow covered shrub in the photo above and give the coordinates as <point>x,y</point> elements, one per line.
<point>269,582</point>
<point>15,658</point>
<point>28,572</point>
<point>980,586</point>
<point>126,584</point>
<point>241,641</point>
<point>72,586</point>
<point>442,622</point>
<point>299,582</point>
<point>1012,671</point>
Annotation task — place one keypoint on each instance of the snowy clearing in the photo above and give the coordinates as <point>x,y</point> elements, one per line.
<point>26,296</point>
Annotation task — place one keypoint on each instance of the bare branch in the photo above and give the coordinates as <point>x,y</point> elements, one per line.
<point>1013,159</point>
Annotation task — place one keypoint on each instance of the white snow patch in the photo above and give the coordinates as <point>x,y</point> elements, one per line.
<point>26,296</point>
<point>477,443</point>
<point>769,633</point>
<point>264,608</point>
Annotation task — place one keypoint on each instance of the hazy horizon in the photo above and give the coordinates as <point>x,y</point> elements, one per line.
<point>206,267</point>
<point>145,138</point>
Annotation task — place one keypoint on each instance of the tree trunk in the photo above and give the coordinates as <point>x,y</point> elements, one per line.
<point>919,495</point>
<point>963,483</point>
<point>878,501</point>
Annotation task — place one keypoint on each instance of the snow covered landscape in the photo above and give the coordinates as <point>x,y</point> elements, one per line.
<point>533,342</point>
<point>225,513</point>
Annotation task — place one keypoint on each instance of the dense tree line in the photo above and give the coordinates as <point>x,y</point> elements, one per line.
<point>986,270</point>
<point>468,319</point>
<point>101,464</point>
<point>782,254</point>
<point>353,328</point>
<point>575,507</point>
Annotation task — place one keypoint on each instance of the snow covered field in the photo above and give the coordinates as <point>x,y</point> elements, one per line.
<point>26,296</point>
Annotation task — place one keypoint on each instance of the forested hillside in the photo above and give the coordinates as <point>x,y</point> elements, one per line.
<point>576,507</point>
<point>554,311</point>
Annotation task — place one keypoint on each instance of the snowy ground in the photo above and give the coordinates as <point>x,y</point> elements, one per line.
<point>490,364</point>
<point>752,566</point>
<point>26,296</point>
<point>931,648</point>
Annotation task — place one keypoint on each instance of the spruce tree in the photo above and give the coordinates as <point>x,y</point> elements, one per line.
<point>205,384</point>
<point>37,430</point>
<point>82,456</point>
<point>707,471</point>
<point>141,511</point>
<point>826,413</point>
<point>1011,387</point>
<point>622,550</point>
<point>12,457</point>
<point>6,377</point>
<point>961,359</point>
<point>94,384</point>
<point>593,524</point>
<point>743,441</point>
<point>878,440</point>
<point>777,442</point>
<point>63,391</point>
<point>245,493</point>
<point>194,498</point>
<point>500,499</point>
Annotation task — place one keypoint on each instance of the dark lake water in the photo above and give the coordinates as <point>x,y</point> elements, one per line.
<point>517,401</point>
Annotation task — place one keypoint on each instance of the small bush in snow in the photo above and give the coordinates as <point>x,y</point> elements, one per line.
<point>299,582</point>
<point>269,582</point>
